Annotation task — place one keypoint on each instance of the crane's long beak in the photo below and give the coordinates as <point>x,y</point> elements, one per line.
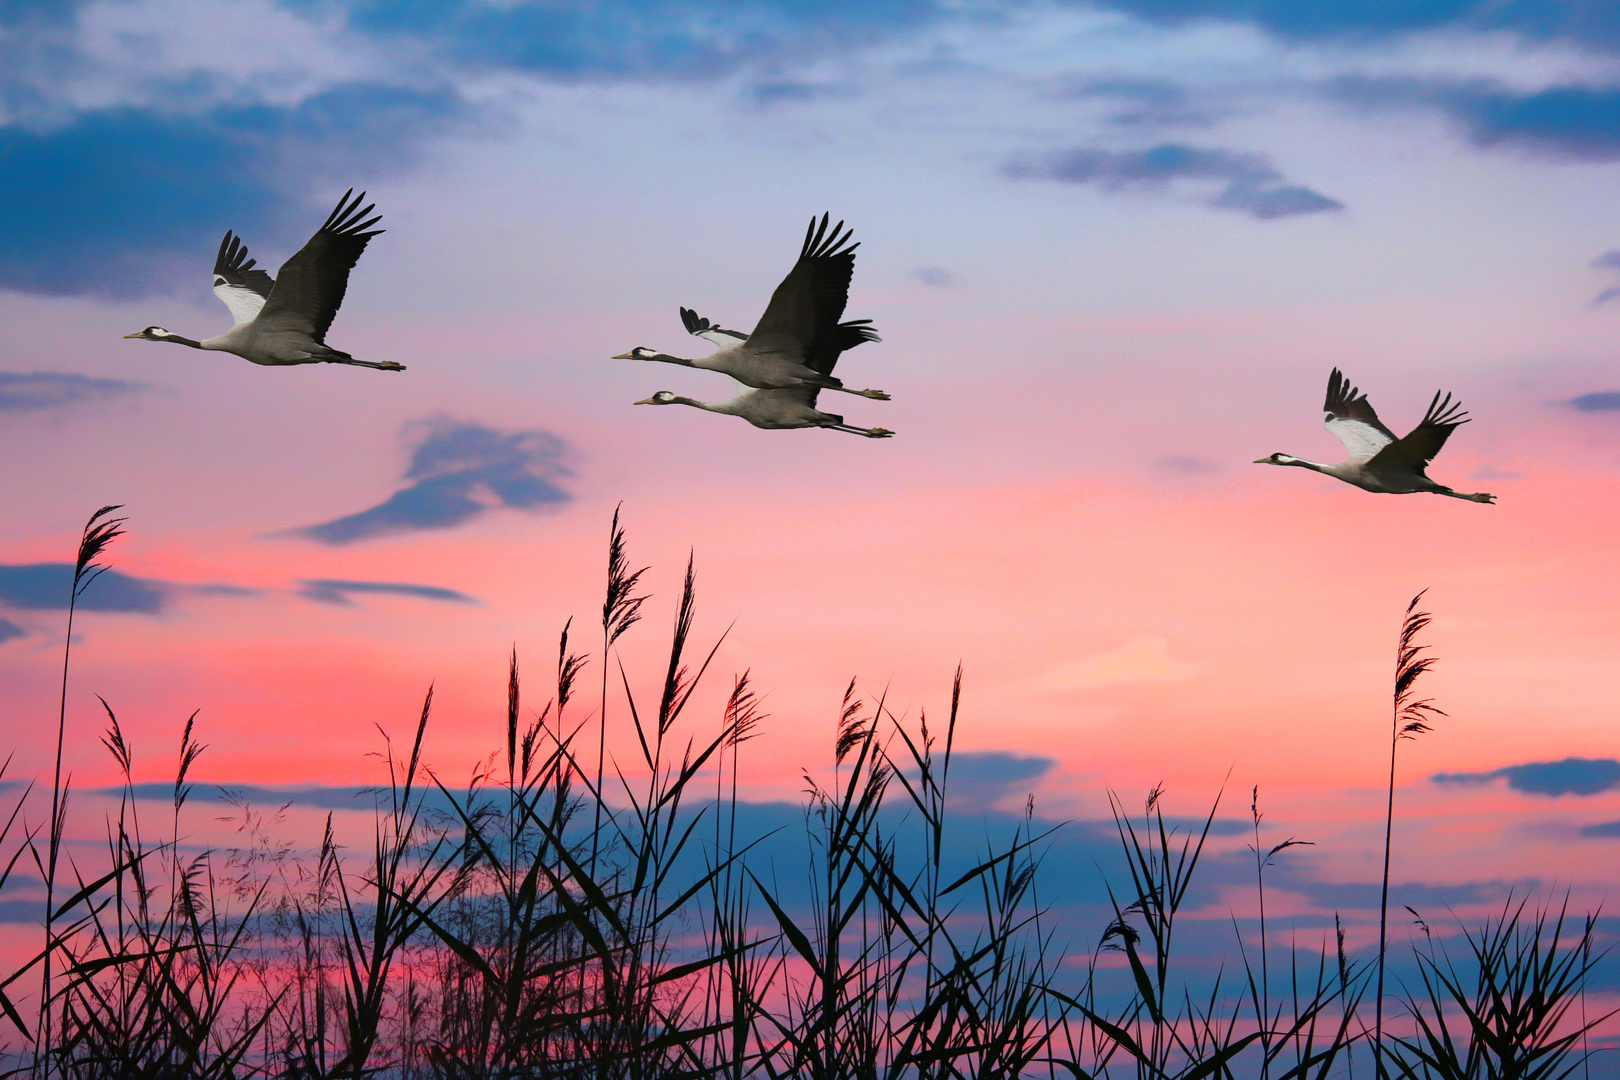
<point>1262,461</point>
<point>626,356</point>
<point>137,333</point>
<point>643,401</point>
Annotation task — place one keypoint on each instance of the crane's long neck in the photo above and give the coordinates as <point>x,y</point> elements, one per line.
<point>723,407</point>
<point>1314,466</point>
<point>665,358</point>
<point>178,340</point>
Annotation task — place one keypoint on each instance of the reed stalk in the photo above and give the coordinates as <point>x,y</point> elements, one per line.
<point>1409,716</point>
<point>98,532</point>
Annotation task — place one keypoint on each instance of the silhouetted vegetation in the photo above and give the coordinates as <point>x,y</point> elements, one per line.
<point>561,914</point>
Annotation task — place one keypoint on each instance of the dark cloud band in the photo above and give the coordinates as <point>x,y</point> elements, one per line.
<point>334,591</point>
<point>54,390</point>
<point>45,587</point>
<point>1251,184</point>
<point>1571,776</point>
<point>457,471</point>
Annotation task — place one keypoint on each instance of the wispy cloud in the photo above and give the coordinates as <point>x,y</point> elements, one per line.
<point>1572,122</point>
<point>1251,184</point>
<point>21,392</point>
<point>1593,25</point>
<point>334,591</point>
<point>44,587</point>
<point>1144,659</point>
<point>1140,103</point>
<point>10,630</point>
<point>136,133</point>
<point>935,277</point>
<point>980,778</point>
<point>126,201</point>
<point>1597,401</point>
<point>794,91</point>
<point>458,471</point>
<point>1188,464</point>
<point>1571,776</point>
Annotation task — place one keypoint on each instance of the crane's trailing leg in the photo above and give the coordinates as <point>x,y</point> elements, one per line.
<point>337,356</point>
<point>380,365</point>
<point>1478,496</point>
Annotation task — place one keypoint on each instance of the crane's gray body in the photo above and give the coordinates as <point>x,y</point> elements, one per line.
<point>282,321</point>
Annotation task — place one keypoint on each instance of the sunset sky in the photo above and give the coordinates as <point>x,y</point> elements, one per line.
<point>1113,250</point>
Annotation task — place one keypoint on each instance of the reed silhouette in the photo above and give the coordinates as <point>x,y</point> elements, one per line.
<point>561,913</point>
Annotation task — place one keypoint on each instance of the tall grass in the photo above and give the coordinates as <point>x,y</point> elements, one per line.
<point>98,532</point>
<point>1511,1011</point>
<point>562,913</point>
<point>1162,1031</point>
<point>1409,716</point>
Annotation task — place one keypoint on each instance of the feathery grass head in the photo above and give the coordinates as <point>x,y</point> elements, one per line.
<point>851,731</point>
<point>1153,797</point>
<point>1411,713</point>
<point>113,740</point>
<point>190,751</point>
<point>622,608</point>
<point>1344,964</point>
<point>95,538</point>
<point>677,687</point>
<point>1124,931</point>
<point>742,712</point>
<point>568,668</point>
<point>513,699</point>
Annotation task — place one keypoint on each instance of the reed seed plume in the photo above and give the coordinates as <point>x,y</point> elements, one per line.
<point>1411,713</point>
<point>569,666</point>
<point>512,701</point>
<point>742,714</point>
<point>1344,964</point>
<point>677,687</point>
<point>1409,719</point>
<point>851,729</point>
<point>95,538</point>
<point>622,607</point>
<point>190,751</point>
<point>852,732</point>
<point>113,739</point>
<point>1124,931</point>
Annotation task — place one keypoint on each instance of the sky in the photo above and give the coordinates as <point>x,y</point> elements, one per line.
<point>1113,249</point>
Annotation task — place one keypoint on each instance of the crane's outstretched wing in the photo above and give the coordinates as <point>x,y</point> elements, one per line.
<point>1351,418</point>
<point>698,326</point>
<point>824,352</point>
<point>810,300</point>
<point>1423,442</point>
<point>238,285</point>
<point>311,284</point>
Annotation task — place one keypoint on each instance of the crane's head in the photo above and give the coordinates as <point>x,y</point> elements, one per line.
<point>663,397</point>
<point>153,333</point>
<point>1278,459</point>
<point>638,353</point>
